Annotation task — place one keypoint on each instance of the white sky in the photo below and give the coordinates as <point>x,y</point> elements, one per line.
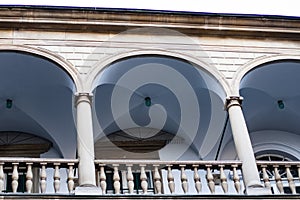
<point>269,7</point>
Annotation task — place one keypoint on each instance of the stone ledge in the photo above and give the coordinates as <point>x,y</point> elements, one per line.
<point>83,20</point>
<point>82,197</point>
<point>87,191</point>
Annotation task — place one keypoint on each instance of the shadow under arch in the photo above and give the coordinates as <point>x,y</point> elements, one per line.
<point>213,91</point>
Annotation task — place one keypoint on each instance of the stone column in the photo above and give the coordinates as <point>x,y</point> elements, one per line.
<point>243,146</point>
<point>85,141</point>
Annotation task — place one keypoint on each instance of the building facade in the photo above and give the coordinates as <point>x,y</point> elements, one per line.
<point>108,102</point>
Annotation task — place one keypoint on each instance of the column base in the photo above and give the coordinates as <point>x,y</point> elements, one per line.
<point>87,190</point>
<point>258,191</point>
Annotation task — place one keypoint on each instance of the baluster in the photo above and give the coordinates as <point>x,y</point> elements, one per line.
<point>103,183</point>
<point>56,177</point>
<point>1,177</point>
<point>130,179</point>
<point>116,178</point>
<point>236,179</point>
<point>29,177</point>
<point>71,177</point>
<point>15,177</point>
<point>265,176</point>
<point>157,179</point>
<point>278,179</point>
<point>43,178</point>
<point>184,182</point>
<point>171,180</point>
<point>144,180</point>
<point>298,166</point>
<point>197,179</point>
<point>210,179</point>
<point>223,179</point>
<point>290,179</point>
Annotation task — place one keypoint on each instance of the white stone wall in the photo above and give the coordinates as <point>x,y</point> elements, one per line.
<point>84,50</point>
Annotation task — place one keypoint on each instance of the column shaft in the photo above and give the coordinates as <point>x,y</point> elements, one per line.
<point>242,143</point>
<point>85,141</point>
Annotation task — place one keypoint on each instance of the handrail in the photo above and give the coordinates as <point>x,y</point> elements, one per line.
<point>43,160</point>
<point>259,162</point>
<point>159,162</point>
<point>37,174</point>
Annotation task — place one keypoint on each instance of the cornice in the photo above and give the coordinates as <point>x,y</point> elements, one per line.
<point>88,20</point>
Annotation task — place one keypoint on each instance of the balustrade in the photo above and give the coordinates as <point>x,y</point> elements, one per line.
<point>280,177</point>
<point>145,177</point>
<point>177,177</point>
<point>50,171</point>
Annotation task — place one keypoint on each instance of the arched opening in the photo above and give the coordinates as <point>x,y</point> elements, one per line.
<point>159,97</point>
<point>36,98</point>
<point>271,107</point>
<point>271,103</point>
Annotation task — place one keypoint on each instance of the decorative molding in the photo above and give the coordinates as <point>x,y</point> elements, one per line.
<point>83,97</point>
<point>233,101</point>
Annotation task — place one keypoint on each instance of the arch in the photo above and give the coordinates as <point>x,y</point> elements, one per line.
<point>40,101</point>
<point>213,90</point>
<point>58,60</point>
<point>100,66</point>
<point>270,87</point>
<point>241,72</point>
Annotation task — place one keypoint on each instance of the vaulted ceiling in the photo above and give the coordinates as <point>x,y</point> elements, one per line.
<point>41,94</point>
<point>272,97</point>
<point>271,108</point>
<point>163,93</point>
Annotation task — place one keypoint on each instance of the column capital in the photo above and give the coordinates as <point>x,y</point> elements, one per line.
<point>83,97</point>
<point>233,101</point>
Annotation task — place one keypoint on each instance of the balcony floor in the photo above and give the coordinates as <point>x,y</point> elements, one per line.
<point>79,197</point>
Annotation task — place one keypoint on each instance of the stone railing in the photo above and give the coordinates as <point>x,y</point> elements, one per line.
<point>174,177</point>
<point>281,177</point>
<point>144,176</point>
<point>35,175</point>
